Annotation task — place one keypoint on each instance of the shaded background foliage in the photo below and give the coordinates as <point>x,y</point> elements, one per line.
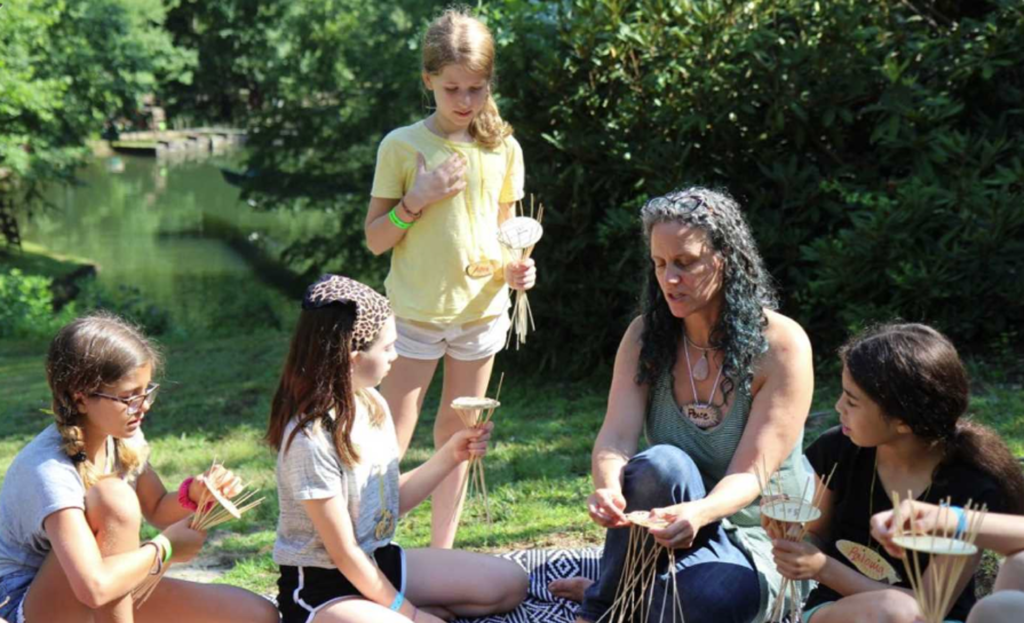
<point>877,147</point>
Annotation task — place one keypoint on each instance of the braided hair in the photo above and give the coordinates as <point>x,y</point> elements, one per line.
<point>93,351</point>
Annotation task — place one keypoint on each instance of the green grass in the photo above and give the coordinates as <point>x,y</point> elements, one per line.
<point>216,402</point>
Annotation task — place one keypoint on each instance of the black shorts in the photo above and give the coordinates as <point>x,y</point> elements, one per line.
<point>304,591</point>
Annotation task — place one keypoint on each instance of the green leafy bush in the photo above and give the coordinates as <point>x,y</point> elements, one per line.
<point>26,306</point>
<point>876,146</point>
<point>877,149</point>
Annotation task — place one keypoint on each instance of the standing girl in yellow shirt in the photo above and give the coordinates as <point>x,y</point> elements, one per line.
<point>441,188</point>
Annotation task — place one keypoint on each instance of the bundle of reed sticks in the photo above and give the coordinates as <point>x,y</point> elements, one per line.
<point>793,519</point>
<point>214,509</point>
<point>948,551</point>
<point>634,598</point>
<point>520,235</point>
<point>469,409</point>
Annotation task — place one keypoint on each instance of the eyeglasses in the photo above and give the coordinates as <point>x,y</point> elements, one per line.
<point>685,204</point>
<point>134,403</point>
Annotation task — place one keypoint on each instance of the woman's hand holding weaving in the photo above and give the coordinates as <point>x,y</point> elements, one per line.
<point>685,521</point>
<point>606,508</point>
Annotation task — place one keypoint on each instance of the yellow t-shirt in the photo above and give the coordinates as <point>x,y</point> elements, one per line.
<point>428,280</point>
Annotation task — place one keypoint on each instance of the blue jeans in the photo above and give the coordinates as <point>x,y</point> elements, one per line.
<point>717,582</point>
<point>13,588</point>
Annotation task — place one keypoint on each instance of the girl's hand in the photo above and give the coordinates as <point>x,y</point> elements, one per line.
<point>606,508</point>
<point>521,275</point>
<point>470,442</point>
<point>684,523</point>
<point>798,560</point>
<point>185,541</point>
<point>221,478</point>
<point>447,180</point>
<point>927,519</point>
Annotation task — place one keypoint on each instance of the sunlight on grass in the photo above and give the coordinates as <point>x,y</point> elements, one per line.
<point>217,400</point>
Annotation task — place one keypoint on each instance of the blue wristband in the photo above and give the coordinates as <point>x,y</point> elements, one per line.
<point>397,603</point>
<point>961,521</point>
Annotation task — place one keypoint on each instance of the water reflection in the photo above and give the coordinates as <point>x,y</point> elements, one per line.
<point>149,227</point>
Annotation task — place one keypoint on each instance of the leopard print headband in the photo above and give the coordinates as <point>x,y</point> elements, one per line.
<point>372,309</point>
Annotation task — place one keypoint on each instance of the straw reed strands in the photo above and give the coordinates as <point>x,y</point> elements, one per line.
<point>948,551</point>
<point>634,599</point>
<point>520,235</point>
<point>793,518</point>
<point>214,509</point>
<point>469,409</point>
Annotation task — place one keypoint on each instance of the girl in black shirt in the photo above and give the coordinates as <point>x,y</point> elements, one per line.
<point>904,392</point>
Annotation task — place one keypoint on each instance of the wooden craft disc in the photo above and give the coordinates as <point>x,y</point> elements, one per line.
<point>790,511</point>
<point>470,403</point>
<point>645,520</point>
<point>936,545</point>
<point>520,232</point>
<point>227,504</point>
<point>483,268</point>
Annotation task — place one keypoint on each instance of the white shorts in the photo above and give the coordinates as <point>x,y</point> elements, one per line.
<point>471,341</point>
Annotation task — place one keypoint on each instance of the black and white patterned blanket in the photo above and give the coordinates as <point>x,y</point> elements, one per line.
<point>545,565</point>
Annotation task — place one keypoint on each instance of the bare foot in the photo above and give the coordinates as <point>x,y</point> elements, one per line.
<point>571,588</point>
<point>440,612</point>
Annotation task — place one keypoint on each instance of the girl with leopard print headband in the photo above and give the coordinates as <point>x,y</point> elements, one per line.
<point>339,488</point>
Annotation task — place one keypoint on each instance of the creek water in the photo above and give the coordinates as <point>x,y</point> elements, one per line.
<point>175,235</point>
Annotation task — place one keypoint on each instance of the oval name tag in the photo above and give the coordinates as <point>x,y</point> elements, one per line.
<point>482,269</point>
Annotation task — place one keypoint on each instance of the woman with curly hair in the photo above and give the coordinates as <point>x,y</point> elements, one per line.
<point>721,383</point>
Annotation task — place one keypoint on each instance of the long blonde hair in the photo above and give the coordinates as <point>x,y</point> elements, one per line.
<point>95,350</point>
<point>458,38</point>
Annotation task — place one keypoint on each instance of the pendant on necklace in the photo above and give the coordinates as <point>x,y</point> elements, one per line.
<point>483,268</point>
<point>703,416</point>
<point>700,371</point>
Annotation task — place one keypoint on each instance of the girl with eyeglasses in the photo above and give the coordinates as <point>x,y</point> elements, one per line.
<point>74,498</point>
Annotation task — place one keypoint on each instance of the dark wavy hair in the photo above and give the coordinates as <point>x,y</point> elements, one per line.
<point>914,374</point>
<point>746,285</point>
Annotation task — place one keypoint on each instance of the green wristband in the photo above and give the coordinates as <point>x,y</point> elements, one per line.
<point>397,222</point>
<point>165,543</point>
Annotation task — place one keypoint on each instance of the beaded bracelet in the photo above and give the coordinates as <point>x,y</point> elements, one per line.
<point>415,216</point>
<point>397,222</point>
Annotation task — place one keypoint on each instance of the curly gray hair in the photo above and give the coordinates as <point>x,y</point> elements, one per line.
<point>747,288</point>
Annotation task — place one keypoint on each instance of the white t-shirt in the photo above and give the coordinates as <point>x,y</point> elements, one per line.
<point>310,469</point>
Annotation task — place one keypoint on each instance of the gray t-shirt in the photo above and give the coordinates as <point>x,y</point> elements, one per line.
<point>41,481</point>
<point>311,470</point>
